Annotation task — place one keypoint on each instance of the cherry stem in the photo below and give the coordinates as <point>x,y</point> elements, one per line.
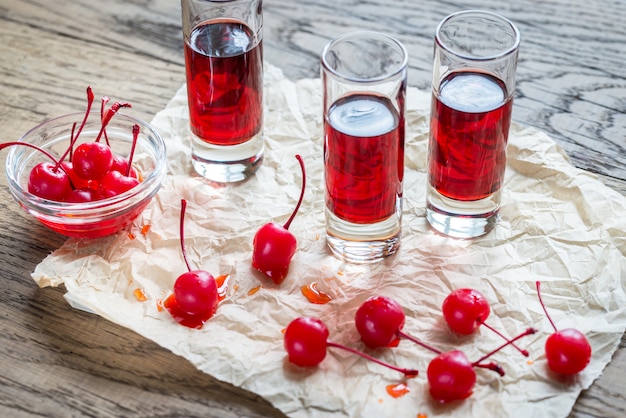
<point>132,149</point>
<point>76,133</point>
<point>418,342</point>
<point>524,352</point>
<point>89,103</point>
<point>35,147</point>
<point>538,284</point>
<point>491,366</point>
<point>183,207</point>
<point>104,101</point>
<point>108,115</point>
<point>410,373</point>
<point>528,331</point>
<point>293,214</point>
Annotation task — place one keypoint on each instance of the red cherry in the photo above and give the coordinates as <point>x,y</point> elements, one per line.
<point>120,164</point>
<point>274,246</point>
<point>114,183</point>
<point>568,351</point>
<point>451,377</point>
<point>465,310</point>
<point>77,182</point>
<point>379,320</point>
<point>196,292</point>
<point>92,160</point>
<point>82,195</point>
<point>306,342</point>
<point>48,181</point>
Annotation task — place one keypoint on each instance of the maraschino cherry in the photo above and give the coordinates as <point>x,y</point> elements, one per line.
<point>195,296</point>
<point>451,376</point>
<point>274,246</point>
<point>568,351</point>
<point>306,343</point>
<point>465,310</point>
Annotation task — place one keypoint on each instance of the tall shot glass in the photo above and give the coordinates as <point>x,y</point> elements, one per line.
<point>364,83</point>
<point>475,59</point>
<point>224,69</point>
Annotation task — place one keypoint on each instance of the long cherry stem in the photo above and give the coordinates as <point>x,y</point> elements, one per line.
<point>90,98</point>
<point>410,373</point>
<point>528,331</point>
<point>418,342</point>
<point>538,284</point>
<point>521,350</point>
<point>132,148</point>
<point>293,214</point>
<point>183,207</point>
<point>35,147</point>
<point>108,115</point>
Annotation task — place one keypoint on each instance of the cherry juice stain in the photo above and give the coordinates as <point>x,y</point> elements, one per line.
<point>314,295</point>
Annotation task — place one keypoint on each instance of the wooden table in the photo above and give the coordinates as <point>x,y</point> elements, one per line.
<point>56,361</point>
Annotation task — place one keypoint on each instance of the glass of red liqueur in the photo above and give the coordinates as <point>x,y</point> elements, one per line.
<point>224,70</point>
<point>475,59</point>
<point>364,77</point>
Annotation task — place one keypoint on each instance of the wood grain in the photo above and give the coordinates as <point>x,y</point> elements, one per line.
<point>59,362</point>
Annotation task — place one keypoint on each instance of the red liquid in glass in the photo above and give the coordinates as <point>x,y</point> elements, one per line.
<point>468,136</point>
<point>364,158</point>
<point>224,82</point>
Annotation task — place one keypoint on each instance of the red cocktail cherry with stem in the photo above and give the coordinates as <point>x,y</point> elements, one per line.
<point>464,310</point>
<point>567,351</point>
<point>47,180</point>
<point>274,246</point>
<point>195,295</point>
<point>451,376</point>
<point>306,343</point>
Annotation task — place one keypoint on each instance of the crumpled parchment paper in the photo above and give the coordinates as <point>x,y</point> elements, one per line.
<point>559,225</point>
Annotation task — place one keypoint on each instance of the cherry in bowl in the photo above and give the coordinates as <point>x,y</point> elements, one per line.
<point>90,218</point>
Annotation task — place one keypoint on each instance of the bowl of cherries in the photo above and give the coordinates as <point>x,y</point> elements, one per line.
<point>87,174</point>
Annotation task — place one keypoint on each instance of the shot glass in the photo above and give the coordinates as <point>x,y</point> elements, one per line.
<point>224,70</point>
<point>475,59</point>
<point>364,83</point>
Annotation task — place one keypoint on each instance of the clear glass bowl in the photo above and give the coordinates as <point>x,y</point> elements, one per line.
<point>97,218</point>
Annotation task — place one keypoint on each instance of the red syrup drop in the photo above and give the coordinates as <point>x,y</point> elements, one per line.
<point>397,390</point>
<point>314,295</point>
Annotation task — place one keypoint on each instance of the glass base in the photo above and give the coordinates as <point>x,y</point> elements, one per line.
<point>359,243</point>
<point>227,164</point>
<point>462,219</point>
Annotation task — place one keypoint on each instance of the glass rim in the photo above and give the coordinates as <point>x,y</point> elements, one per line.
<point>504,53</point>
<point>363,34</point>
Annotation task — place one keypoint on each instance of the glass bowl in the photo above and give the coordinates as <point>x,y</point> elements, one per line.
<point>96,218</point>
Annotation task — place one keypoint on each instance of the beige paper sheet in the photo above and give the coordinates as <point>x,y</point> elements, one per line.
<point>559,225</point>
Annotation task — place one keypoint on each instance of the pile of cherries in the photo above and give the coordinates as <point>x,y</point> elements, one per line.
<point>87,172</point>
<point>451,376</point>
